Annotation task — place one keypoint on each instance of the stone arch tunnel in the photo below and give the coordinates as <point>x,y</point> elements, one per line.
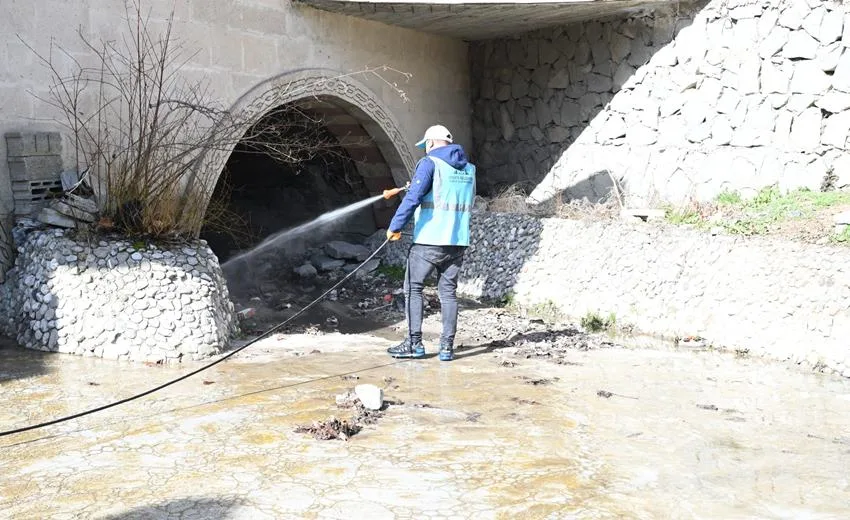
<point>302,159</point>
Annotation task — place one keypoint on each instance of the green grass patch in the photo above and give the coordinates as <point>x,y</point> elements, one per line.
<point>683,216</point>
<point>509,299</point>
<point>594,322</point>
<point>393,272</point>
<point>757,215</point>
<point>769,207</point>
<point>546,310</point>
<point>728,198</point>
<point>842,238</point>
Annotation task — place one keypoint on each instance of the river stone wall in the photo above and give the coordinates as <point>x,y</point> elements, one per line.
<point>681,104</point>
<point>109,299</point>
<point>781,300</point>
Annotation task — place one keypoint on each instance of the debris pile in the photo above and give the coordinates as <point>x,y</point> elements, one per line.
<point>537,381</point>
<point>366,416</point>
<point>366,401</point>
<point>510,334</point>
<point>75,208</point>
<point>330,429</point>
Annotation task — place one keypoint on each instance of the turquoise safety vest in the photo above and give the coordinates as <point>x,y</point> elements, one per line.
<point>442,219</point>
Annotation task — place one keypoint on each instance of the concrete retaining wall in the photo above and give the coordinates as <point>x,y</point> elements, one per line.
<point>685,103</point>
<point>780,300</point>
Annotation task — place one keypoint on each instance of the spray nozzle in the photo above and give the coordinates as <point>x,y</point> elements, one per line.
<point>388,194</point>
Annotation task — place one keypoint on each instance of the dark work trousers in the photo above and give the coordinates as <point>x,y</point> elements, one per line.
<point>421,261</point>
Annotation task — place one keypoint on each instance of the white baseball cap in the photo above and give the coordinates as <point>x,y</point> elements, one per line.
<point>436,132</point>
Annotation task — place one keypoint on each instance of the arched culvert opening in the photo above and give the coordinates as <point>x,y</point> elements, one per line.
<point>300,160</point>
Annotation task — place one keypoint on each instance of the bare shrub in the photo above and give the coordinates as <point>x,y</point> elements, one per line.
<point>514,199</point>
<point>580,209</point>
<point>220,218</point>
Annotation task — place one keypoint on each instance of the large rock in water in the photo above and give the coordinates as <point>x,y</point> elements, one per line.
<point>306,271</point>
<point>364,271</point>
<point>324,263</point>
<point>346,251</point>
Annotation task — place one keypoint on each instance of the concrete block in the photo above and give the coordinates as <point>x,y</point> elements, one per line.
<point>81,203</point>
<point>35,168</point>
<point>26,144</point>
<point>54,218</point>
<point>70,211</point>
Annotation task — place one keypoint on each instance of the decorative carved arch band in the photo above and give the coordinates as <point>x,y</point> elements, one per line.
<point>365,128</point>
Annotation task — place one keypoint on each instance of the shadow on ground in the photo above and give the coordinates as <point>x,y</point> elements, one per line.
<point>19,363</point>
<point>568,337</point>
<point>190,507</point>
<point>596,188</point>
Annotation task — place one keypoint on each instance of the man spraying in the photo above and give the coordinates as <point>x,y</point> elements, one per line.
<point>440,201</point>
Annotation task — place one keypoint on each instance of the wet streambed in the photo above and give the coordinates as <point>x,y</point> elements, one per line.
<point>613,434</point>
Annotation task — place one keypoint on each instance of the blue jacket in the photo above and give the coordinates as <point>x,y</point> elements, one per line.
<point>423,181</point>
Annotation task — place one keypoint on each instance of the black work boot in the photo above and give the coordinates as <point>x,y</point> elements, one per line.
<point>407,349</point>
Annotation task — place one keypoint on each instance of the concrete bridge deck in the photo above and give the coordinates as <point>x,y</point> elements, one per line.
<point>481,19</point>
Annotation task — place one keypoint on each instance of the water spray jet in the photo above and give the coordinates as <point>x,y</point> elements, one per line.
<point>281,237</point>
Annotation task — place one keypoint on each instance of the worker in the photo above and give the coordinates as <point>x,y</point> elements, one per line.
<point>440,200</point>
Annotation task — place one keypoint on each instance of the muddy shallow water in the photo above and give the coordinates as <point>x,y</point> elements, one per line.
<point>614,433</point>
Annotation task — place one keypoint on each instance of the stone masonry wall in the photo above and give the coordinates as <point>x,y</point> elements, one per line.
<point>780,300</point>
<point>683,104</point>
<point>115,300</point>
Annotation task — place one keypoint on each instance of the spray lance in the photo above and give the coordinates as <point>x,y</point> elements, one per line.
<point>388,194</point>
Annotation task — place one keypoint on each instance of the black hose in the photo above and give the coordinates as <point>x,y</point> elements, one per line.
<point>205,367</point>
